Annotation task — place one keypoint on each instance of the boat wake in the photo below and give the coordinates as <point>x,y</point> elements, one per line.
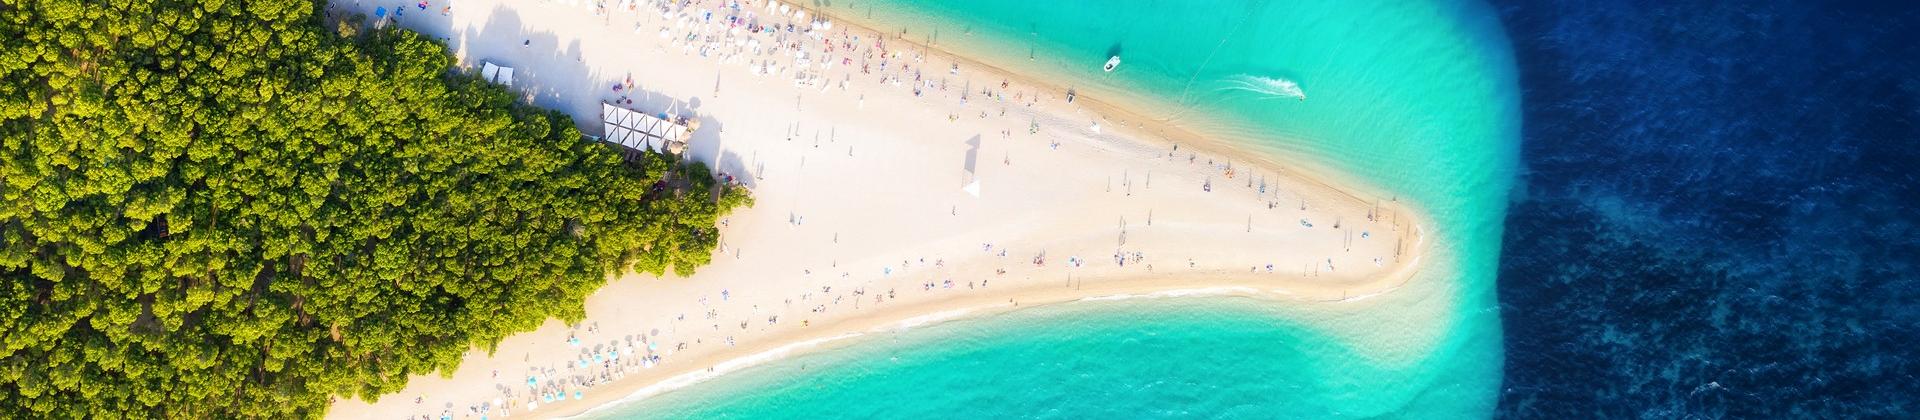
<point>1267,87</point>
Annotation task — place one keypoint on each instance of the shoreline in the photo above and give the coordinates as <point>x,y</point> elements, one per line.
<point>853,332</point>
<point>1131,145</point>
<point>1107,104</point>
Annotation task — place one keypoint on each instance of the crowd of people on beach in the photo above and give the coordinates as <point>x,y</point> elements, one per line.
<point>779,40</point>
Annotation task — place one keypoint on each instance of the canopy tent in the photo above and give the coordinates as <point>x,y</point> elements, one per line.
<point>639,131</point>
<point>496,73</point>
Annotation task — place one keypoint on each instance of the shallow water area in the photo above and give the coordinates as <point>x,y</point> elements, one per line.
<point>1101,359</point>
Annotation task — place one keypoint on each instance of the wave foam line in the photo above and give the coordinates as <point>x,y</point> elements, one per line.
<point>1268,87</point>
<point>722,368</point>
<point>932,318</point>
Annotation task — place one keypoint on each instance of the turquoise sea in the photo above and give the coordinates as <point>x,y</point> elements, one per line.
<point>1414,99</point>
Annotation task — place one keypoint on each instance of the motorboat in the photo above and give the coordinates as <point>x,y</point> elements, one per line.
<point>1113,63</point>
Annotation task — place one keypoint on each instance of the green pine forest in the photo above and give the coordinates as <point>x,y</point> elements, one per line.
<point>243,209</point>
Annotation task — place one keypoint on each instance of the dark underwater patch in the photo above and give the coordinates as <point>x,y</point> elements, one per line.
<point>1721,214</point>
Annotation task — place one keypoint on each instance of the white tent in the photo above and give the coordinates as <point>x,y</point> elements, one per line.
<point>638,131</point>
<point>496,73</point>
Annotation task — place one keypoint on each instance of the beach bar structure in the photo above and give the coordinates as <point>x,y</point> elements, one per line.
<point>663,133</point>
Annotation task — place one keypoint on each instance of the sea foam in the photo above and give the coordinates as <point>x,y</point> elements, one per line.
<point>1266,87</point>
<point>690,378</point>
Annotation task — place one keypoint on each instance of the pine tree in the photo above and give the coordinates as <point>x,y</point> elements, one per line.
<point>222,209</point>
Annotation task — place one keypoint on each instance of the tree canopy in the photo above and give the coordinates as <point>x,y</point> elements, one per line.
<point>216,209</point>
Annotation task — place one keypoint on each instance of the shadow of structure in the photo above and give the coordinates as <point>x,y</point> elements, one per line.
<point>968,170</point>
<point>553,75</point>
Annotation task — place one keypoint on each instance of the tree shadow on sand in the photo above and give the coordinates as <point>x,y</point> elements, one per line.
<point>552,73</point>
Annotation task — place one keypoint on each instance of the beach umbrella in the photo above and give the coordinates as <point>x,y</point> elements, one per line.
<point>576,394</point>
<point>380,12</point>
<point>531,381</point>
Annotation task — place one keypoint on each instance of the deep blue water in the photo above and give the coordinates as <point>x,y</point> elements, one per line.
<point>1720,214</point>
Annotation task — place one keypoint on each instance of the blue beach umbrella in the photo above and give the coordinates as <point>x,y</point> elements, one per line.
<point>576,395</point>
<point>380,12</point>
